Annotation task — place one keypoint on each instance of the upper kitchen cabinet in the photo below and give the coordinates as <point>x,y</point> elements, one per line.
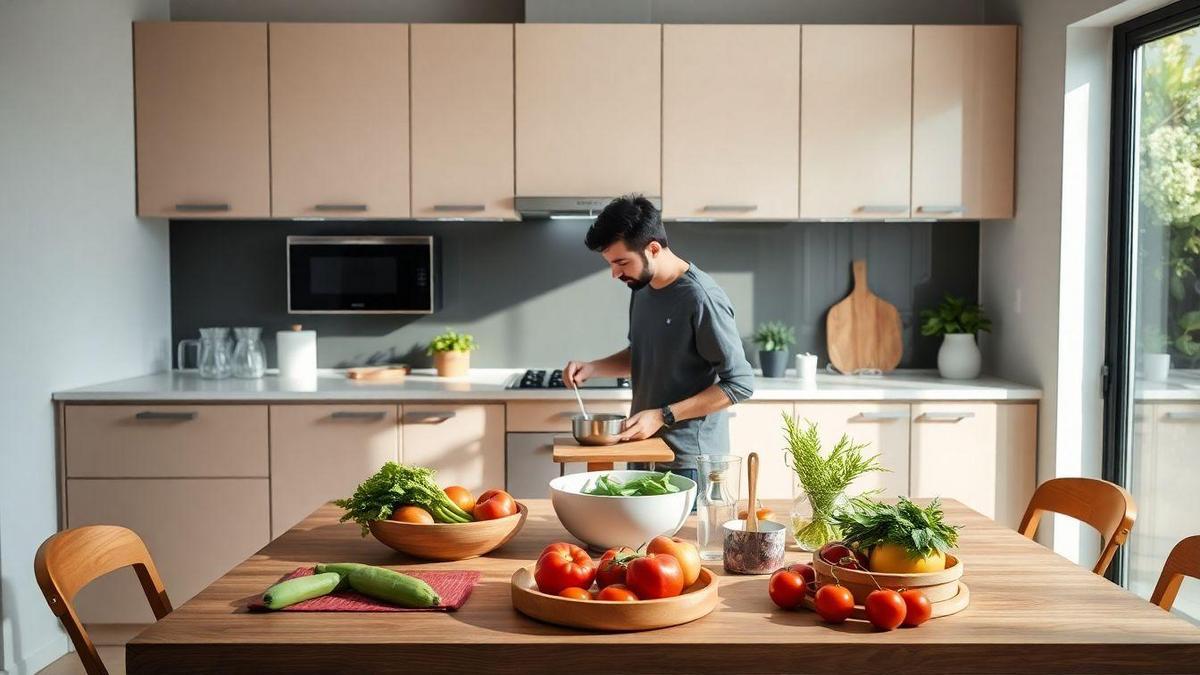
<point>339,120</point>
<point>964,104</point>
<point>731,101</point>
<point>462,121</point>
<point>201,108</point>
<point>588,109</point>
<point>855,121</point>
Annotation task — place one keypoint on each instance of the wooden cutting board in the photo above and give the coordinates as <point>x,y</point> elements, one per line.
<point>863,331</point>
<point>601,457</point>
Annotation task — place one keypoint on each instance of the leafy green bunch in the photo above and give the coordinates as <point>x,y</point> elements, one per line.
<point>656,484</point>
<point>397,485</point>
<point>452,341</point>
<point>955,315</point>
<point>921,532</point>
<point>775,336</point>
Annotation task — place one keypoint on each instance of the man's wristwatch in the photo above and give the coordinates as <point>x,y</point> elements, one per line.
<point>668,416</point>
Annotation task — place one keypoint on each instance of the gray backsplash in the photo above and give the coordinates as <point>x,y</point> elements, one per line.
<point>533,295</point>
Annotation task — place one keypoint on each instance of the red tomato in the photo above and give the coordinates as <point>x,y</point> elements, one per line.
<point>834,603</point>
<point>411,514</point>
<point>575,593</point>
<point>656,575</point>
<point>786,588</point>
<point>461,497</point>
<point>885,609</point>
<point>805,570</point>
<point>613,565</point>
<point>684,551</point>
<point>563,566</point>
<point>494,504</point>
<point>617,593</point>
<point>918,609</point>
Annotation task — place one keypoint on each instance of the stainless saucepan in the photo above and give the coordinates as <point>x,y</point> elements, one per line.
<point>597,428</point>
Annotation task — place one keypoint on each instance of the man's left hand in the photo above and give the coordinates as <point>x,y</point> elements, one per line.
<point>642,425</point>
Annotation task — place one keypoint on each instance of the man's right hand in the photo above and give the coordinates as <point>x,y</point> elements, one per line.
<point>577,372</point>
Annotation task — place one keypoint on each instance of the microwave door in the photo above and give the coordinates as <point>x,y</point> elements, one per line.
<point>367,275</point>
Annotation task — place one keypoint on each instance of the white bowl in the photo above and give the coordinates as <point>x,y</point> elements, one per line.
<point>605,522</point>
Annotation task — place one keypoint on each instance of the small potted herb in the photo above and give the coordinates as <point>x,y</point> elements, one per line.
<point>774,339</point>
<point>451,352</point>
<point>957,321</point>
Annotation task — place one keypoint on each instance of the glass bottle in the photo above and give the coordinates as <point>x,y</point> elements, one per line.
<point>720,477</point>
<point>249,355</point>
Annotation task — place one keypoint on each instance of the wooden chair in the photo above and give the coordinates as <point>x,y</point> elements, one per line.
<point>71,559</point>
<point>1105,506</point>
<point>1184,560</point>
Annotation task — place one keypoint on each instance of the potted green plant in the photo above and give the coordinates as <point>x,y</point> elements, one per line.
<point>774,339</point>
<point>958,322</point>
<point>451,352</point>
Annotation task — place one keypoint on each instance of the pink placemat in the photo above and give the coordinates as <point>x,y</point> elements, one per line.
<point>453,587</point>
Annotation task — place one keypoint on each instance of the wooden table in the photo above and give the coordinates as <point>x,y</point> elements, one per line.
<point>1031,611</point>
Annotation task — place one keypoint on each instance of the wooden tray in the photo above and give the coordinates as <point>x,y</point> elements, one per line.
<point>601,457</point>
<point>695,602</point>
<point>937,586</point>
<point>952,605</point>
<point>449,541</point>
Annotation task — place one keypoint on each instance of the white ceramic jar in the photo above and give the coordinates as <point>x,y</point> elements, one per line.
<point>959,357</point>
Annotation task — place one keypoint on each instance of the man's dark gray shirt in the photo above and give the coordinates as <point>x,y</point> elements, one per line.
<point>683,339</point>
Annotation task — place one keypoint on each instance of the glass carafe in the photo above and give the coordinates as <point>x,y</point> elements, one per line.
<point>249,355</point>
<point>720,488</point>
<point>213,353</point>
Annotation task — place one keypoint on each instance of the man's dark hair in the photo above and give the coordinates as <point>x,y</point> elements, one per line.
<point>631,219</point>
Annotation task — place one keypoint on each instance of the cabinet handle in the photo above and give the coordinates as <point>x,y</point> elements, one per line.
<point>201,208</point>
<point>956,208</point>
<point>459,207</point>
<point>340,207</point>
<point>882,208</point>
<point>181,416</point>
<point>945,416</point>
<point>880,416</point>
<point>428,417</point>
<point>730,208</point>
<point>358,415</point>
<point>1184,415</point>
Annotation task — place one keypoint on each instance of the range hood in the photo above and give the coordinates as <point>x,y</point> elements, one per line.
<point>567,207</point>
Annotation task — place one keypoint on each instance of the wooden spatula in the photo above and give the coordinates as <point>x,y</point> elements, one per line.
<point>752,505</point>
<point>863,331</point>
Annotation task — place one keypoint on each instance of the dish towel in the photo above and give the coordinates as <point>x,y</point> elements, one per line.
<point>453,587</point>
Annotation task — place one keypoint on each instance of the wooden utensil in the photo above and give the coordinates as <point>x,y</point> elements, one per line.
<point>863,331</point>
<point>751,512</point>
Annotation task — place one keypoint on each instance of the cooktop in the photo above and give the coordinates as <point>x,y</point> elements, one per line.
<point>542,379</point>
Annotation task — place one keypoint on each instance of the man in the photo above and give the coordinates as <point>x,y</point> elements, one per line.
<point>685,356</point>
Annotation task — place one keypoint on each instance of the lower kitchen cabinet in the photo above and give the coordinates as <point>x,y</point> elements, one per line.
<point>322,452</point>
<point>463,443</point>
<point>758,427</point>
<point>196,530</point>
<point>883,427</point>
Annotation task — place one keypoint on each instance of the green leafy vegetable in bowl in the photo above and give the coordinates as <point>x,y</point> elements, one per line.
<point>645,486</point>
<point>394,485</point>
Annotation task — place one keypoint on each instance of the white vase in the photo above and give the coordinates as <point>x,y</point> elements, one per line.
<point>959,357</point>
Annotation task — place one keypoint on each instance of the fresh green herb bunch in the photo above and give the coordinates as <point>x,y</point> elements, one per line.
<point>955,315</point>
<point>775,336</point>
<point>394,485</point>
<point>656,484</point>
<point>824,478</point>
<point>920,531</point>
<point>452,341</point>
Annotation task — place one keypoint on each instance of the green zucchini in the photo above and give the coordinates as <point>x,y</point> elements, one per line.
<point>400,589</point>
<point>343,569</point>
<point>300,589</point>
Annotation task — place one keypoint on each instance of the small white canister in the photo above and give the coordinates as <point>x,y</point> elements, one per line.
<point>806,367</point>
<point>297,353</point>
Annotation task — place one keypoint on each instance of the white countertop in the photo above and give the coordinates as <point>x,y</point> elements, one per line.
<point>488,384</point>
<point>1181,385</point>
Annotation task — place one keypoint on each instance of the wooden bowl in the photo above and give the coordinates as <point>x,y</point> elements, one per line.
<point>449,541</point>
<point>695,602</point>
<point>937,586</point>
<point>952,605</point>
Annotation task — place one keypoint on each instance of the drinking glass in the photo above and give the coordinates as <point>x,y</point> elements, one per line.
<point>720,488</point>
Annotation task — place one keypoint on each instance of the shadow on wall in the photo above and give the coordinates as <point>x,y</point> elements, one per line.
<point>533,295</point>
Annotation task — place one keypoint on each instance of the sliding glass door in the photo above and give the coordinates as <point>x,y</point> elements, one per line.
<point>1152,406</point>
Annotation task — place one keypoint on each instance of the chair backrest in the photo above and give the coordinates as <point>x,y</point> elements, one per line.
<point>1184,561</point>
<point>71,559</point>
<point>1106,506</point>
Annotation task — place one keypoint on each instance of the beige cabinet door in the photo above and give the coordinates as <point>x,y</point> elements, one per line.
<point>588,109</point>
<point>555,415</point>
<point>201,113</point>
<point>758,427</point>
<point>196,529</point>
<point>339,120</point>
<point>462,121</point>
<point>964,109</point>
<point>322,452</point>
<point>855,121</point>
<point>463,443</point>
<point>884,427</point>
<point>731,141</point>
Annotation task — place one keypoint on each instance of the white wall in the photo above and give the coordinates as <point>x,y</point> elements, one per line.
<point>83,283</point>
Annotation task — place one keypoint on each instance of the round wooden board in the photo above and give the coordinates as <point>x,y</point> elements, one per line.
<point>947,607</point>
<point>449,541</point>
<point>695,602</point>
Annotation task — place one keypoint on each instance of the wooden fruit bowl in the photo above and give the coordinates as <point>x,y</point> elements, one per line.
<point>937,586</point>
<point>449,541</point>
<point>952,605</point>
<point>695,602</point>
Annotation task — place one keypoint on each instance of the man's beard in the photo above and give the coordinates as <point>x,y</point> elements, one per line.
<point>641,281</point>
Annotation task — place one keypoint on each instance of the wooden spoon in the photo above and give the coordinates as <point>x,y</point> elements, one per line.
<point>751,513</point>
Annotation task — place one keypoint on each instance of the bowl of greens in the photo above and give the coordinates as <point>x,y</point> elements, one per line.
<point>607,509</point>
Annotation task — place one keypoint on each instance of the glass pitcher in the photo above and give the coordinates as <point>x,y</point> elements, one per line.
<point>213,353</point>
<point>249,355</point>
<point>720,488</point>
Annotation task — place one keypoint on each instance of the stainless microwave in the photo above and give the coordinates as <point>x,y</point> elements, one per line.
<point>361,275</point>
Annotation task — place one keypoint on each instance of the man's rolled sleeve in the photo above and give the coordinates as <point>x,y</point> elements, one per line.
<point>718,342</point>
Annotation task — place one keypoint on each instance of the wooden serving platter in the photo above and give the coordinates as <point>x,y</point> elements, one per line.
<point>952,605</point>
<point>602,457</point>
<point>695,602</point>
